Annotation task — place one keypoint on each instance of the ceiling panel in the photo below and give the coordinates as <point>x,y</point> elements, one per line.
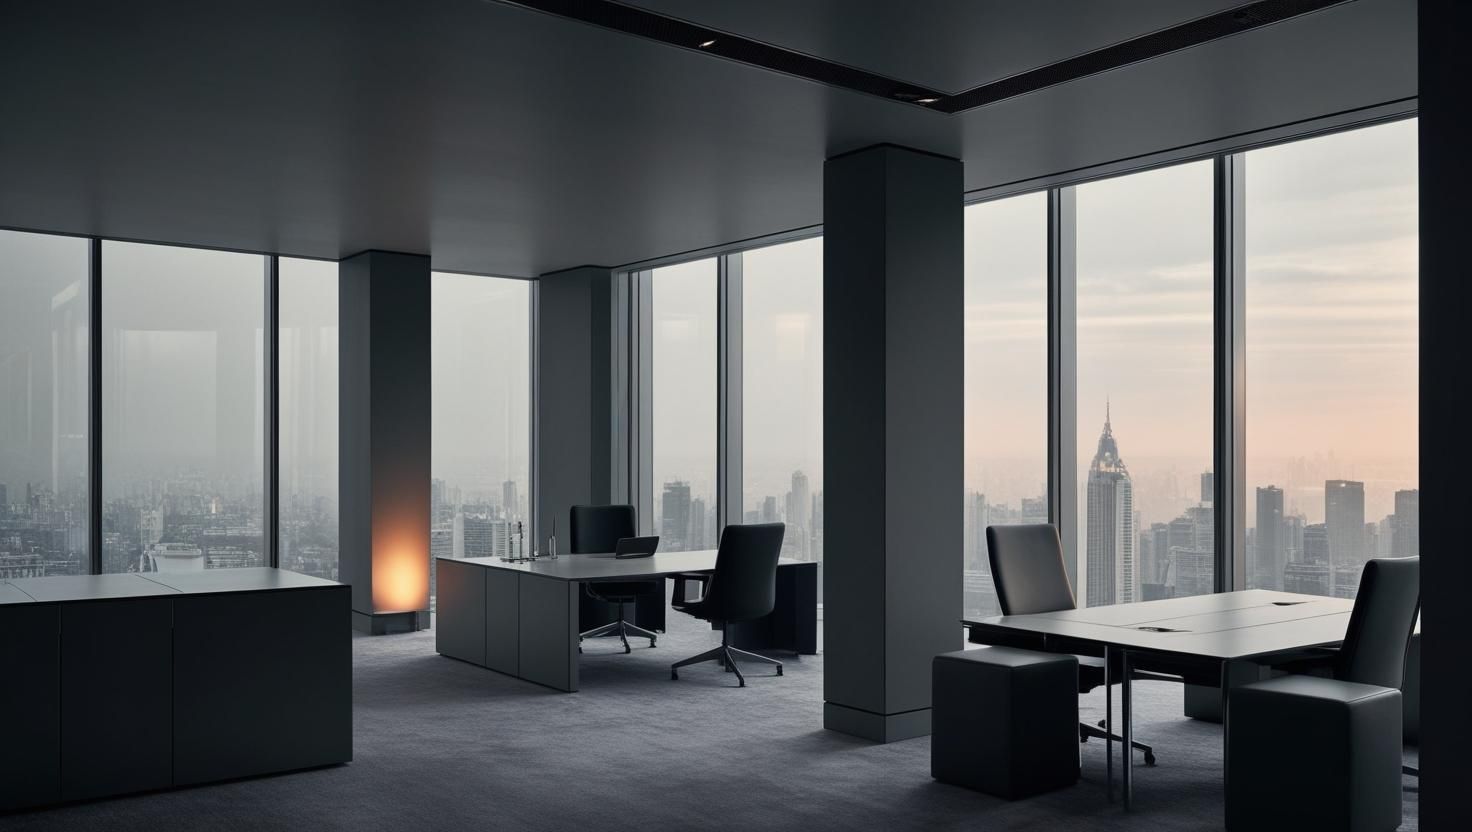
<point>506,141</point>
<point>949,45</point>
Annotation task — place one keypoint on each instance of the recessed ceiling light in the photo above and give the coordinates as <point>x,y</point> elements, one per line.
<point>926,100</point>
<point>708,43</point>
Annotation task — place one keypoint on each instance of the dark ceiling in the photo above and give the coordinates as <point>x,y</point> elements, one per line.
<point>507,141</point>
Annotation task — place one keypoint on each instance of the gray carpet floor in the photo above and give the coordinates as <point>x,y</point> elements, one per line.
<point>443,745</point>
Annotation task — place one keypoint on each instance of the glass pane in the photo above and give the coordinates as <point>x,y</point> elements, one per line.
<point>1332,358</point>
<point>683,355</point>
<point>43,405</point>
<point>182,408</point>
<point>1006,379</point>
<point>307,306</point>
<point>1145,379</point>
<point>480,455</point>
<point>782,392</point>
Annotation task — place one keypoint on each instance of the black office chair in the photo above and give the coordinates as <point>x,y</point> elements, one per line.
<point>743,588</point>
<point>1030,576</point>
<point>1334,729</point>
<point>595,529</point>
<point>1379,633</point>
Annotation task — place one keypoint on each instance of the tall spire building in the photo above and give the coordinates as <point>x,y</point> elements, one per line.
<point>1109,550</point>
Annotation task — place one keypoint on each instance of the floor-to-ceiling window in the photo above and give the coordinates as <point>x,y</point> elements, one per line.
<point>44,350</point>
<point>683,374</point>
<point>782,392</point>
<point>307,416</point>
<point>1331,337</point>
<point>480,378</point>
<point>1006,394</point>
<point>182,408</point>
<point>1145,385</point>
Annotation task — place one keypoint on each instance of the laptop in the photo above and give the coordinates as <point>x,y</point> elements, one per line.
<point>636,547</point>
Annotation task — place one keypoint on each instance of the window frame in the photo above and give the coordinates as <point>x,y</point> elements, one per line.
<point>631,431</point>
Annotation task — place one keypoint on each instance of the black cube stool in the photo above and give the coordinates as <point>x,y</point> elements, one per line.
<point>1305,752</point>
<point>1004,721</point>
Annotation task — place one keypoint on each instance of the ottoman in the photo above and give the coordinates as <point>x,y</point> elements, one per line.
<point>1305,752</point>
<point>1004,720</point>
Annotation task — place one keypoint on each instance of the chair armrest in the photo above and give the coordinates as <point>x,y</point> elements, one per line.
<point>680,595</point>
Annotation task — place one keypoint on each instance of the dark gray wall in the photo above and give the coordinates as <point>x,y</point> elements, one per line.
<point>892,433</point>
<point>575,396</point>
<point>1446,396</point>
<point>384,415</point>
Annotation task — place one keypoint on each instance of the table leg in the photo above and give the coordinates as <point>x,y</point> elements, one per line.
<point>1108,728</point>
<point>1226,769</point>
<point>1126,734</point>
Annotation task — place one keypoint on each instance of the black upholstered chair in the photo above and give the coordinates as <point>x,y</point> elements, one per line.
<point>1030,576</point>
<point>595,529</point>
<point>1333,729</point>
<point>742,588</point>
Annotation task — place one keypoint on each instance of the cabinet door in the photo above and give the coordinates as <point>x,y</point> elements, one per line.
<point>262,683</point>
<point>30,747</point>
<point>116,697</point>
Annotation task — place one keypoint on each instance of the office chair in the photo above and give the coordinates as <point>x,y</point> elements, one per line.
<point>1029,573</point>
<point>595,529</point>
<point>1379,633</point>
<point>743,588</point>
<point>1333,729</point>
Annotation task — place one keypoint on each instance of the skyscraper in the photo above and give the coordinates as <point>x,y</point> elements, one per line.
<point>674,528</point>
<point>510,507</point>
<point>1271,543</point>
<point>1344,521</point>
<point>1405,536</point>
<point>799,504</point>
<point>1110,543</point>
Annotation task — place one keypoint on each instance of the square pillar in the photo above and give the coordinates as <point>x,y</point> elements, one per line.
<point>574,384</point>
<point>383,440</point>
<point>1445,684</point>
<point>893,298</point>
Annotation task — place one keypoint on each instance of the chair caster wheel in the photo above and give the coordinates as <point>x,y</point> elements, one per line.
<point>1149,758</point>
<point>674,675</point>
<point>742,684</point>
<point>628,649</point>
<point>652,644</point>
<point>779,670</point>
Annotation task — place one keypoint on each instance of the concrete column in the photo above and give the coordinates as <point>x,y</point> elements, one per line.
<point>384,410</point>
<point>892,433</point>
<point>574,395</point>
<point>1446,396</point>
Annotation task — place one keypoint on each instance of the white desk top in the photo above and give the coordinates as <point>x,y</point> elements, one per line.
<point>604,567</point>
<point>1227,625</point>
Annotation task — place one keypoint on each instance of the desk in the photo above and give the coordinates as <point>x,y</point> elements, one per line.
<point>522,619</point>
<point>1201,638</point>
<point>138,682</point>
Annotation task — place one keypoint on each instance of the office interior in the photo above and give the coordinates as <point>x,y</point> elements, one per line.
<point>533,414</point>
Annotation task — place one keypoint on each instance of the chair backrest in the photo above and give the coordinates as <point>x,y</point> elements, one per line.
<point>1028,569</point>
<point>1380,627</point>
<point>744,585</point>
<point>598,528</point>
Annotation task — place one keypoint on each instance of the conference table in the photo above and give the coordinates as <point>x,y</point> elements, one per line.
<point>522,618</point>
<point>1205,639</point>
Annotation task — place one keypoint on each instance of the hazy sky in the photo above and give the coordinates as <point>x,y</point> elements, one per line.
<point>683,359</point>
<point>782,364</point>
<point>1331,325</point>
<point>480,375</point>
